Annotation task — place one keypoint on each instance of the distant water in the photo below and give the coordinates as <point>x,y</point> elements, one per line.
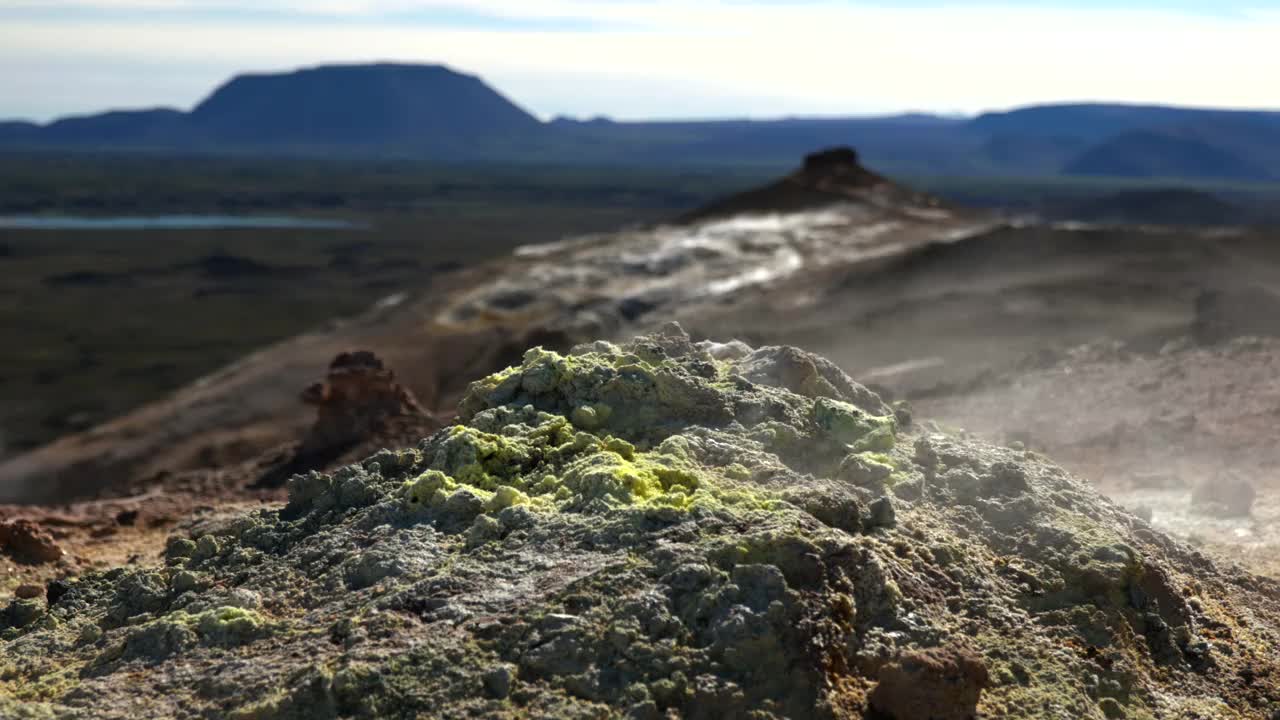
<point>172,222</point>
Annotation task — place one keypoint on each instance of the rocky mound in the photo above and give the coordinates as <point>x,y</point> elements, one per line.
<point>827,177</point>
<point>360,402</point>
<point>662,529</point>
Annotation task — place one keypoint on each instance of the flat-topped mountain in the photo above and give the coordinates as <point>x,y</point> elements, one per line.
<point>426,109</point>
<point>361,105</point>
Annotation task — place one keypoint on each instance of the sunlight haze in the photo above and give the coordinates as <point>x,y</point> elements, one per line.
<point>657,59</point>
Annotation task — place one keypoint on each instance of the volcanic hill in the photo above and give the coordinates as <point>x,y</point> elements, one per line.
<point>538,515</point>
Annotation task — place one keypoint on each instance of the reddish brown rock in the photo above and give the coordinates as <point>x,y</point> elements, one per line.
<point>355,401</point>
<point>359,401</point>
<point>28,592</point>
<point>934,684</point>
<point>27,542</point>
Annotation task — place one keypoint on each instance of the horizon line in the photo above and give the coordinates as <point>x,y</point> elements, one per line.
<point>602,117</point>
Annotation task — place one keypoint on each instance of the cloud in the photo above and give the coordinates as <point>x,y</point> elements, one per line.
<point>716,57</point>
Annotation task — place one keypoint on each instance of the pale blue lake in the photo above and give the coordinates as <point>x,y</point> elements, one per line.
<point>173,222</point>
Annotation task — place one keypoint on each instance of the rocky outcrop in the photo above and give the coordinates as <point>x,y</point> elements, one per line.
<point>827,177</point>
<point>662,529</point>
<point>358,402</point>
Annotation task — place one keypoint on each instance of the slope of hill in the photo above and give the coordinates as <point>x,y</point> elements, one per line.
<point>797,261</point>
<point>121,127</point>
<point>1155,154</point>
<point>1096,121</point>
<point>17,131</point>
<point>469,321</point>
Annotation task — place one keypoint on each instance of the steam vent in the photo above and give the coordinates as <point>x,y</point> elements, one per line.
<point>662,529</point>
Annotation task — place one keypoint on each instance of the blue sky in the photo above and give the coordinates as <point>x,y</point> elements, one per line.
<point>659,58</point>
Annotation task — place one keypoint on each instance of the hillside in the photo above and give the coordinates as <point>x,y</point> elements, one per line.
<point>826,255</point>
<point>468,322</point>
<point>1154,154</point>
<point>125,127</point>
<point>1096,121</point>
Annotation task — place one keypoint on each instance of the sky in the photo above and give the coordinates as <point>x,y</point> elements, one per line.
<point>644,59</point>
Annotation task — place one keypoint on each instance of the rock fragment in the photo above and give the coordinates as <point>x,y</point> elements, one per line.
<point>27,542</point>
<point>882,513</point>
<point>28,592</point>
<point>498,681</point>
<point>934,684</point>
<point>359,400</point>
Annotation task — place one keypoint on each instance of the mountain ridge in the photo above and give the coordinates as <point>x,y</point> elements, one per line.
<point>433,112</point>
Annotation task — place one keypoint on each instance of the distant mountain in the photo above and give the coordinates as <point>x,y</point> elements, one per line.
<point>1028,152</point>
<point>427,106</point>
<point>1136,141</point>
<point>903,143</point>
<point>1156,154</point>
<point>1097,121</point>
<point>133,127</point>
<point>430,112</point>
<point>424,109</point>
<point>18,131</point>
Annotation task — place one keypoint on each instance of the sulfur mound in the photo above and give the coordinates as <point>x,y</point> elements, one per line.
<point>662,529</point>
